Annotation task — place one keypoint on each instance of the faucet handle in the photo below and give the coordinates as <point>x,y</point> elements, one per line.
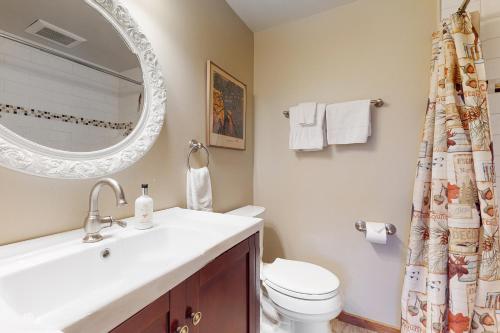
<point>110,220</point>
<point>120,223</point>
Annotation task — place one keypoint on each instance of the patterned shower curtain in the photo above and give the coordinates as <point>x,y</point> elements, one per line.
<point>452,276</point>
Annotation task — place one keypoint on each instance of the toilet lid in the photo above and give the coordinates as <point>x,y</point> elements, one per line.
<point>301,279</point>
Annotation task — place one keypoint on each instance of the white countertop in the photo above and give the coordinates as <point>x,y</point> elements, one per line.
<point>58,283</point>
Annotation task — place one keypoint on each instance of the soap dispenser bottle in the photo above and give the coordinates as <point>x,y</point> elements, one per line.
<point>144,209</point>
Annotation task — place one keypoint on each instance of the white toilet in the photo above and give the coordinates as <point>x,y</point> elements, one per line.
<point>296,297</point>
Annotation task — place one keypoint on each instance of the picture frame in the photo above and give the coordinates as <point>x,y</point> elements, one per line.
<point>226,109</point>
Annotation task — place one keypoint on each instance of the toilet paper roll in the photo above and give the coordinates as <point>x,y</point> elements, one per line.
<point>376,233</point>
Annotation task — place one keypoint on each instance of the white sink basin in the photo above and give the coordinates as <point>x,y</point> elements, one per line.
<point>48,283</point>
<point>58,282</point>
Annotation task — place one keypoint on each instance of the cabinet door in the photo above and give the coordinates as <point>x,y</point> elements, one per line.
<point>183,301</point>
<point>152,319</point>
<point>228,295</point>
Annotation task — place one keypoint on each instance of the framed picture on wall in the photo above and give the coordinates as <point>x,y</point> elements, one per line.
<point>226,109</point>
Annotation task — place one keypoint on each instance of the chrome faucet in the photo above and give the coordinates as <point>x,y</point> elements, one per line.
<point>94,223</point>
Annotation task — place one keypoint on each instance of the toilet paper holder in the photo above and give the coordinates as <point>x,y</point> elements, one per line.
<point>361,226</point>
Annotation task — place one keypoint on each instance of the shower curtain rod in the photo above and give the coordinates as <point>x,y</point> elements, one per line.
<point>463,7</point>
<point>69,58</point>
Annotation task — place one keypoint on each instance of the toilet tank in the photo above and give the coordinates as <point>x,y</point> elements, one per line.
<point>249,211</point>
<point>252,211</point>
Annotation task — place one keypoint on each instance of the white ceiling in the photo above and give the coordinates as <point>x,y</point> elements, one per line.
<point>263,14</point>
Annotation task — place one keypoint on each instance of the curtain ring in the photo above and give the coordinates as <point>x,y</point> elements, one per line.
<point>195,146</point>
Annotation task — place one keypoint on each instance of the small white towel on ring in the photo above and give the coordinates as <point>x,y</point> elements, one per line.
<point>199,189</point>
<point>348,122</point>
<point>308,137</point>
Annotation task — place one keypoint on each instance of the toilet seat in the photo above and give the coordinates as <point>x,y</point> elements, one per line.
<point>302,288</point>
<point>303,309</point>
<point>301,280</point>
<point>294,294</point>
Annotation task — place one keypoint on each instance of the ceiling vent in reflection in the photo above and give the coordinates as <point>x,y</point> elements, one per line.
<point>54,34</point>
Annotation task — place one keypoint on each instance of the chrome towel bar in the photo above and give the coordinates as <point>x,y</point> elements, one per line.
<point>376,102</point>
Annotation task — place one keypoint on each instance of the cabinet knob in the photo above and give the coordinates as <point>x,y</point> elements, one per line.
<point>183,329</point>
<point>196,317</point>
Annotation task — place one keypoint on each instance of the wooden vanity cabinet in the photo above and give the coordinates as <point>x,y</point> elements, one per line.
<point>223,297</point>
<point>154,318</point>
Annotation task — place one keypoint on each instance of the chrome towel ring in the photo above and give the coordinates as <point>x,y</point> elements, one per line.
<point>194,147</point>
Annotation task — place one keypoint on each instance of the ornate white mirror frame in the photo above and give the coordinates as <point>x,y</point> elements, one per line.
<point>23,155</point>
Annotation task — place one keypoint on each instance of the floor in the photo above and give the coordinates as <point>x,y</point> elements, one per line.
<point>341,327</point>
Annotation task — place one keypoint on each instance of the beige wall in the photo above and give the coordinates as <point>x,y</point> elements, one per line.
<point>367,49</point>
<point>184,35</point>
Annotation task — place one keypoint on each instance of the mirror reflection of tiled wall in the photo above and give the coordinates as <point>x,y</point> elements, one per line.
<point>33,80</point>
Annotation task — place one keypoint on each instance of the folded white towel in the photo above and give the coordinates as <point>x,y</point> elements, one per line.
<point>308,137</point>
<point>305,113</point>
<point>348,122</point>
<point>199,189</point>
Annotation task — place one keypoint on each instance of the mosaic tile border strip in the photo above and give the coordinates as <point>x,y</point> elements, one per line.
<point>22,111</point>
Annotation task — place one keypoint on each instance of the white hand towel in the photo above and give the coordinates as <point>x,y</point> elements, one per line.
<point>305,113</point>
<point>348,122</point>
<point>199,189</point>
<point>308,137</point>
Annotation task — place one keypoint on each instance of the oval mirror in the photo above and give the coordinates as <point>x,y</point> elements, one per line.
<point>81,94</point>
